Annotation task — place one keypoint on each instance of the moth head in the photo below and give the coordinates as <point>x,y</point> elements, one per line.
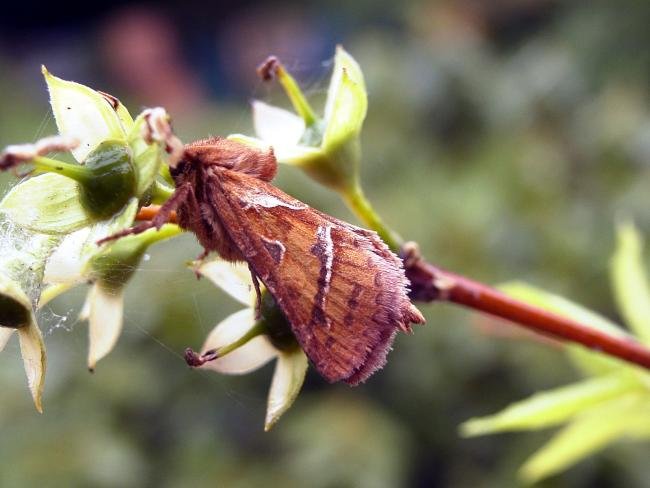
<point>233,155</point>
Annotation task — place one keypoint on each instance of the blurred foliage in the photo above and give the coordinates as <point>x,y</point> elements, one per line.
<point>503,136</point>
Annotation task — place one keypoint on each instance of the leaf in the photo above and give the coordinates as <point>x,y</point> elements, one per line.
<point>32,349</point>
<point>249,357</point>
<point>65,265</point>
<point>147,158</point>
<point>630,282</point>
<point>107,228</point>
<point>233,278</point>
<point>587,434</point>
<point>276,126</point>
<point>5,335</point>
<point>589,361</point>
<point>82,113</point>
<point>287,381</point>
<point>125,117</point>
<point>104,311</point>
<point>347,102</point>
<point>48,203</point>
<point>552,407</point>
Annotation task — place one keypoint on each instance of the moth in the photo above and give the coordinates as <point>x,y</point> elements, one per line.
<point>342,290</point>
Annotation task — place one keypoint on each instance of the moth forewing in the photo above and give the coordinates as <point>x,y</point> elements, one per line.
<point>342,290</point>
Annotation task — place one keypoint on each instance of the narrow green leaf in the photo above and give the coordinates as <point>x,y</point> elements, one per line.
<point>589,361</point>
<point>123,114</point>
<point>347,102</point>
<point>32,349</point>
<point>48,203</point>
<point>82,113</point>
<point>5,335</point>
<point>287,381</point>
<point>118,222</point>
<point>552,407</point>
<point>630,282</point>
<point>233,278</point>
<point>587,434</point>
<point>104,312</point>
<point>147,158</point>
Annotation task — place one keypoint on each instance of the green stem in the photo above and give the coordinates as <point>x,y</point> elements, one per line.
<point>75,171</point>
<point>53,291</point>
<point>164,172</point>
<point>161,193</point>
<point>359,204</point>
<point>256,330</point>
<point>298,100</point>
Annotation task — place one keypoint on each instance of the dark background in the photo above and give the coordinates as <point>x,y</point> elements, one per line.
<point>506,137</point>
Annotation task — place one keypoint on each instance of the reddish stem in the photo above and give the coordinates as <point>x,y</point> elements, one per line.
<point>148,213</point>
<point>429,283</point>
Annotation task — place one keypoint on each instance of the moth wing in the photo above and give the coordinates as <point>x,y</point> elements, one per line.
<point>342,290</point>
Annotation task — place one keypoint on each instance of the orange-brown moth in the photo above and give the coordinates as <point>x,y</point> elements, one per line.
<point>342,290</point>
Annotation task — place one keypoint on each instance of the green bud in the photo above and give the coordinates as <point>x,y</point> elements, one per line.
<point>110,181</point>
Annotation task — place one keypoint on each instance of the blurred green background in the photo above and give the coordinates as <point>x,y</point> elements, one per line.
<point>506,137</point>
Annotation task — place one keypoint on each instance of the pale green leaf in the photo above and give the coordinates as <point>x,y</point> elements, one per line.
<point>65,265</point>
<point>287,381</point>
<point>587,434</point>
<point>48,203</point>
<point>68,264</point>
<point>32,349</point>
<point>5,335</point>
<point>84,114</point>
<point>252,355</point>
<point>107,228</point>
<point>630,282</point>
<point>552,407</point>
<point>276,126</point>
<point>104,312</point>
<point>347,102</point>
<point>23,255</point>
<point>147,158</point>
<point>125,117</point>
<point>590,362</point>
<point>233,278</point>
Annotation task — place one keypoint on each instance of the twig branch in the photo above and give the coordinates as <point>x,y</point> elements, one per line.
<point>430,283</point>
<point>148,213</point>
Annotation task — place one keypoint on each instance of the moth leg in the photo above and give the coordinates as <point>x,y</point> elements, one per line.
<point>161,218</point>
<point>199,258</point>
<point>256,285</point>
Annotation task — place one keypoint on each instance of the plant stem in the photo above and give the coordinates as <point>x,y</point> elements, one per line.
<point>430,283</point>
<point>161,192</point>
<point>298,100</point>
<point>75,171</point>
<point>256,330</point>
<point>148,213</point>
<point>362,208</point>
